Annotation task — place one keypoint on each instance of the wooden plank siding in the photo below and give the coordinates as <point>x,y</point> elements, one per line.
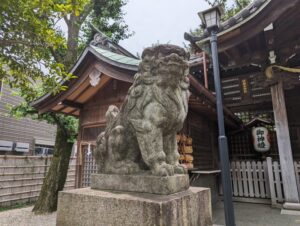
<point>293,112</point>
<point>258,103</point>
<point>24,129</point>
<point>203,133</point>
<point>21,178</point>
<point>94,110</point>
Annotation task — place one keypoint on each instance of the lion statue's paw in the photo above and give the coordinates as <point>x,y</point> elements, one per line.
<point>163,170</point>
<point>179,169</point>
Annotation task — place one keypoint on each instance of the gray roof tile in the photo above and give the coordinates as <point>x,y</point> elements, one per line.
<point>116,57</point>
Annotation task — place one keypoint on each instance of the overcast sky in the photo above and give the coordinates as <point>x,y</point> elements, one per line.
<point>160,20</point>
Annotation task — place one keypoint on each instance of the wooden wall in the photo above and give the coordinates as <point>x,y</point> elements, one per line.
<point>24,129</point>
<point>203,133</point>
<point>92,123</point>
<point>21,178</point>
<point>244,91</point>
<point>293,112</point>
<point>257,103</point>
<point>92,116</point>
<point>240,143</point>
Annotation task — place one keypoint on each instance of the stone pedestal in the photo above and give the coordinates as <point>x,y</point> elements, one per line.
<point>141,183</point>
<point>86,207</point>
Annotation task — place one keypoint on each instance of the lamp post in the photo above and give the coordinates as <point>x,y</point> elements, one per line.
<point>211,20</point>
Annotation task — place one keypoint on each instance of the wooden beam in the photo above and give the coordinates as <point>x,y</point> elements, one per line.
<point>74,84</point>
<point>284,144</point>
<point>250,28</point>
<point>73,111</point>
<point>201,90</point>
<point>236,59</point>
<point>247,47</point>
<point>72,104</point>
<point>235,54</point>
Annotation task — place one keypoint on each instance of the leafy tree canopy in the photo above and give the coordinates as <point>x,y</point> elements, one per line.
<point>33,48</point>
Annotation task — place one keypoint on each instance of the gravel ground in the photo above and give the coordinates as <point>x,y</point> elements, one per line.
<point>24,217</point>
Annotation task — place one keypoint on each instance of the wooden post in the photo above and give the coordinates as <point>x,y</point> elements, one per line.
<point>271,181</point>
<point>284,144</point>
<point>78,169</point>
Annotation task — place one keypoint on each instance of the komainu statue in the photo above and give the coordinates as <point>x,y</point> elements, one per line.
<point>140,138</point>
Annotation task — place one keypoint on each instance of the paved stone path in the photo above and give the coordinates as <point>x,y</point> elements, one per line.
<point>246,215</point>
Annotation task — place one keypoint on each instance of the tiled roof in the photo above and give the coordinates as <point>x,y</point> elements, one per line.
<point>116,57</point>
<point>245,14</point>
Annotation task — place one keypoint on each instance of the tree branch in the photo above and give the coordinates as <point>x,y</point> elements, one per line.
<point>56,56</point>
<point>86,11</point>
<point>67,20</point>
<point>59,123</point>
<point>238,4</point>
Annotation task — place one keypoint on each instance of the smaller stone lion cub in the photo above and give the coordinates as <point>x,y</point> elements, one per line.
<point>140,138</point>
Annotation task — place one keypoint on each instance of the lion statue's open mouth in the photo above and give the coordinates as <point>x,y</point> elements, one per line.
<point>141,136</point>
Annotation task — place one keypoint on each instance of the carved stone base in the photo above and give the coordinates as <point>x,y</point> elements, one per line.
<point>140,183</point>
<point>88,207</point>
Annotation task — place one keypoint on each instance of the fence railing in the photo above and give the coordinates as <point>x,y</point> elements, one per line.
<point>258,180</point>
<point>275,181</point>
<point>21,178</point>
<point>250,179</point>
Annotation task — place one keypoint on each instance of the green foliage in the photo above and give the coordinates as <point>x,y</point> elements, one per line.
<point>230,8</point>
<point>27,37</point>
<point>233,9</point>
<point>33,49</point>
<point>107,16</point>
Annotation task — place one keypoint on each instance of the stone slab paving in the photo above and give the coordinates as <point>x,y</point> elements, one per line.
<point>248,214</point>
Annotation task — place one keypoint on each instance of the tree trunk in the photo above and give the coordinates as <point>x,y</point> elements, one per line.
<point>56,176</point>
<point>72,43</point>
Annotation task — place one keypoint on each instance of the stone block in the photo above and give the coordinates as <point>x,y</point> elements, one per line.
<point>89,207</point>
<point>141,183</point>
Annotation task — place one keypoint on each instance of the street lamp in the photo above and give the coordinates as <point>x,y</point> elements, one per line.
<point>211,21</point>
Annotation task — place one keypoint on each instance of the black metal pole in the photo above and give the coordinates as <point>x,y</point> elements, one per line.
<point>223,145</point>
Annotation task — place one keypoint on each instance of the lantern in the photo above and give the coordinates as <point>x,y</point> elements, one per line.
<point>261,139</point>
<point>211,17</point>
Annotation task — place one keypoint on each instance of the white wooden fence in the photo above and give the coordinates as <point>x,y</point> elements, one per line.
<point>258,181</point>
<point>249,179</point>
<point>275,182</point>
<point>21,178</point>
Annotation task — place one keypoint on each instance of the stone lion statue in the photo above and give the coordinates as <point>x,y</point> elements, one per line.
<point>140,138</point>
